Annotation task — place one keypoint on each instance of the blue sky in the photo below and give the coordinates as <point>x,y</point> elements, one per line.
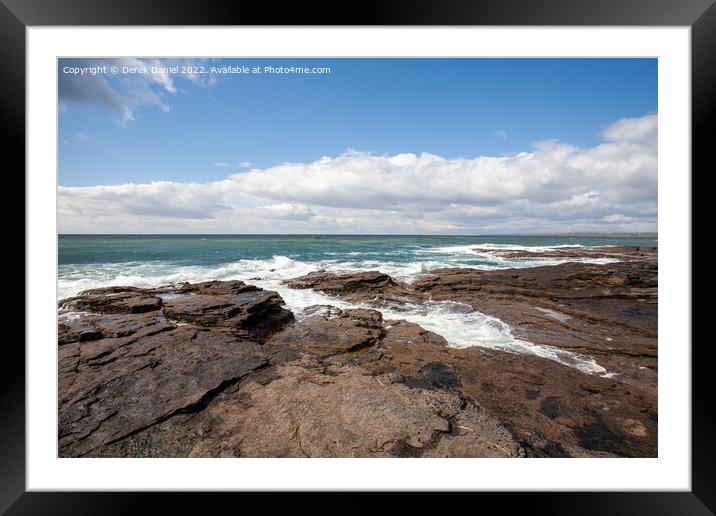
<point>449,107</point>
<point>375,146</point>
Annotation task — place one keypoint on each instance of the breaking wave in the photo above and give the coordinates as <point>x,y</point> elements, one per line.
<point>458,323</point>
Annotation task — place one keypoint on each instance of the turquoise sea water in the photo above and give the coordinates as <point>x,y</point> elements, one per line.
<point>91,261</point>
<point>95,260</point>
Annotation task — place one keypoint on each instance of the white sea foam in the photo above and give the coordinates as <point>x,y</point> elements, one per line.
<point>492,253</point>
<point>460,324</point>
<point>470,249</point>
<point>457,322</point>
<point>67,316</point>
<point>535,248</point>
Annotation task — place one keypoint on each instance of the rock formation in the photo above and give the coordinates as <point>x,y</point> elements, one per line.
<point>224,369</point>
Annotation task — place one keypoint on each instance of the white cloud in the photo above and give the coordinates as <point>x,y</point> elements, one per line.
<point>288,211</point>
<point>554,187</point>
<point>125,93</point>
<point>617,217</point>
<point>642,129</point>
<point>221,164</point>
<point>246,164</point>
<point>501,134</point>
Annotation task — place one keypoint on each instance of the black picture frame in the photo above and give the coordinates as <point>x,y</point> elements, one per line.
<point>17,15</point>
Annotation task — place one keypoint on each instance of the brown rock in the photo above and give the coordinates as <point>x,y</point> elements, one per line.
<point>258,312</point>
<point>606,311</point>
<point>219,369</point>
<point>304,411</point>
<point>344,332</point>
<point>126,300</point>
<point>622,253</point>
<point>230,305</point>
<point>552,407</point>
<point>123,369</point>
<point>111,389</point>
<point>372,286</point>
<point>100,326</point>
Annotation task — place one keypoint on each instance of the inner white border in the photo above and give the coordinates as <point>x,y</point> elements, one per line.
<point>670,471</point>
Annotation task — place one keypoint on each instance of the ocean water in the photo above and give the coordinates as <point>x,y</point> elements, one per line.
<point>91,261</point>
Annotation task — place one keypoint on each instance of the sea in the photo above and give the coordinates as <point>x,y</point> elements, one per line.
<point>92,261</point>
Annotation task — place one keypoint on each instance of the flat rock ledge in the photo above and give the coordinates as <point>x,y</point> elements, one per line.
<point>223,369</point>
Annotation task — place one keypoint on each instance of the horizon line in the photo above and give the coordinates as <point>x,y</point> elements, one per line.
<point>546,234</point>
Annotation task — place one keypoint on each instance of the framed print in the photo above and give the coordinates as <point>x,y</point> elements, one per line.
<point>441,249</point>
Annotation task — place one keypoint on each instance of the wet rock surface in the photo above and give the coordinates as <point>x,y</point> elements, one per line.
<point>148,386</point>
<point>607,310</point>
<point>233,306</point>
<point>346,331</point>
<point>549,407</point>
<point>223,369</point>
<point>362,286</point>
<point>114,300</point>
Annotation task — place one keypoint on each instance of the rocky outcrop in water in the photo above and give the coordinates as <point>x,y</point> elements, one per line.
<point>224,369</point>
<point>372,286</point>
<point>607,311</point>
<point>620,253</point>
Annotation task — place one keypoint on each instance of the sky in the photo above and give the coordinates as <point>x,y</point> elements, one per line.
<point>434,146</point>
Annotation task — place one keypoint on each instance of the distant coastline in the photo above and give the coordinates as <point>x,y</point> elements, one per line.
<point>488,235</point>
<point>598,234</point>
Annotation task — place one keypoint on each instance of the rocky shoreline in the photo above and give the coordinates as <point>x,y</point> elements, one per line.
<point>224,369</point>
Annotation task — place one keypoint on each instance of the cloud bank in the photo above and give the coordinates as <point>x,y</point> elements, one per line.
<point>553,187</point>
